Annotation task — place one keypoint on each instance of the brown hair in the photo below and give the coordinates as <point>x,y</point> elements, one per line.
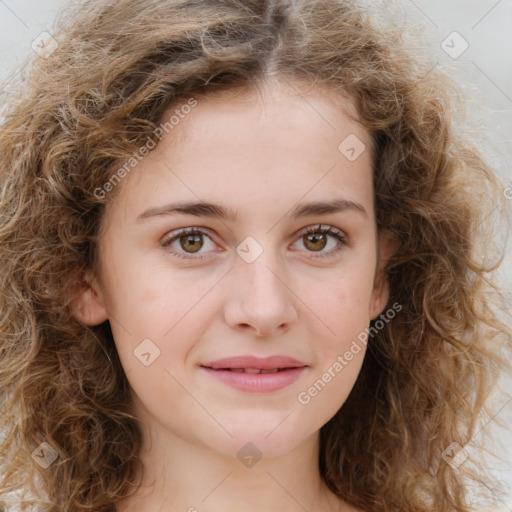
<point>96,99</point>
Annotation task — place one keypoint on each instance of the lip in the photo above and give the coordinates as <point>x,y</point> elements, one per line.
<point>289,370</point>
<point>267,363</point>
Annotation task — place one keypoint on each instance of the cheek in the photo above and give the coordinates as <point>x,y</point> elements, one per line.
<point>343,304</point>
<point>341,343</point>
<point>149,299</point>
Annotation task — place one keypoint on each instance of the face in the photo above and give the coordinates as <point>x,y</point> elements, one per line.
<point>284,264</point>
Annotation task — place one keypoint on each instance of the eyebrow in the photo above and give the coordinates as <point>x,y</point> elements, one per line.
<point>212,210</point>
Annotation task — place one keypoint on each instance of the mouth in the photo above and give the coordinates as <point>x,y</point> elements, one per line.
<point>252,370</point>
<point>251,374</point>
<point>252,364</point>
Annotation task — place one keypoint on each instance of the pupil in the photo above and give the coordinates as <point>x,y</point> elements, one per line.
<point>192,239</point>
<point>315,238</point>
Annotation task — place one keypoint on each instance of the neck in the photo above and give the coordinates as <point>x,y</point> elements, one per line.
<point>181,476</point>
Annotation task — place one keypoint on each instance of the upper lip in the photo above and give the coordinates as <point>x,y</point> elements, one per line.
<point>268,363</point>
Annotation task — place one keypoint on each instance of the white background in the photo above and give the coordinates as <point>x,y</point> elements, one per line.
<point>483,72</point>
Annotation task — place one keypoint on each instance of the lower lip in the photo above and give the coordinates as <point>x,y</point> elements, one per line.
<point>257,382</point>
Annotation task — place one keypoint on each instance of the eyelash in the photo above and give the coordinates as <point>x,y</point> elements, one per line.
<point>168,240</point>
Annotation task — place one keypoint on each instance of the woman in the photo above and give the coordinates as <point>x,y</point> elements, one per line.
<point>241,266</point>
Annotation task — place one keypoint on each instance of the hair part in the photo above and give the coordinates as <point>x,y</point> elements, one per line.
<point>97,99</point>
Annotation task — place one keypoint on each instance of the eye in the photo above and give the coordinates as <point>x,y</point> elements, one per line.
<point>316,238</point>
<point>186,241</point>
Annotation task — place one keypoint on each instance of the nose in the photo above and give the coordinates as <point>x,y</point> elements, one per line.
<point>259,298</point>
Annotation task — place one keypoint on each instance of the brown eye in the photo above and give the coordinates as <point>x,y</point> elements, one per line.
<point>315,242</point>
<point>188,241</point>
<point>191,243</point>
<point>317,238</point>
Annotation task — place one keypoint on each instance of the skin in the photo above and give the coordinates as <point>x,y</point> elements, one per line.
<point>259,154</point>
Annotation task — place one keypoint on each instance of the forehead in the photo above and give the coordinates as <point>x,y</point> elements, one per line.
<point>279,142</point>
<point>289,106</point>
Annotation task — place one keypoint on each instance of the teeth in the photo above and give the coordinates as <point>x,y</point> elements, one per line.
<point>253,370</point>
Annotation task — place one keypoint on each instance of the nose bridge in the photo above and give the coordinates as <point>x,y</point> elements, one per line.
<point>264,279</point>
<point>259,296</point>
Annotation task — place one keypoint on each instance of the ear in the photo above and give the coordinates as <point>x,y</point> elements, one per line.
<point>388,245</point>
<point>86,300</point>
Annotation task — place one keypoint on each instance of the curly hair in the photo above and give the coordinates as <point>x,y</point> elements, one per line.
<point>97,98</point>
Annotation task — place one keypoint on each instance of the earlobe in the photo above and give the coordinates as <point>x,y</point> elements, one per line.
<point>86,301</point>
<point>380,294</point>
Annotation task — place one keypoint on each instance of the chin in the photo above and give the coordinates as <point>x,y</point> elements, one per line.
<point>270,439</point>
